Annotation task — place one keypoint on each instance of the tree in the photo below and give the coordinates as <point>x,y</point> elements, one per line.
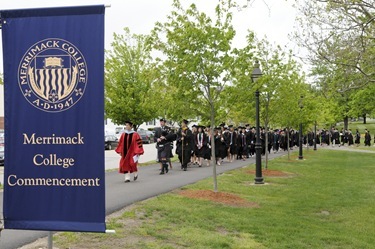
<point>363,102</point>
<point>340,32</point>
<point>198,59</point>
<point>338,84</point>
<point>339,36</point>
<point>128,80</point>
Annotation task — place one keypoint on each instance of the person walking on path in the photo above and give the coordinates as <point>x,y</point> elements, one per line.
<point>367,138</point>
<point>184,144</point>
<point>164,149</point>
<point>158,133</point>
<point>357,138</point>
<point>130,147</point>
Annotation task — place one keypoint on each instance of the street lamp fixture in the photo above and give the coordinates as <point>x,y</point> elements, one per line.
<point>300,156</point>
<point>256,74</point>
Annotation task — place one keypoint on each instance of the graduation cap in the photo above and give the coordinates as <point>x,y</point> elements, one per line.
<point>222,124</point>
<point>247,125</point>
<point>129,122</point>
<point>163,119</point>
<point>185,121</point>
<point>230,126</point>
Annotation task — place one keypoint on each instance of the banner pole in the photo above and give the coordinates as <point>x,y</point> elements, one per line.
<point>50,241</point>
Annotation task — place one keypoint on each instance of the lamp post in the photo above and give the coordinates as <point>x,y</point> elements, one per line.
<point>300,156</point>
<point>315,135</point>
<point>256,74</point>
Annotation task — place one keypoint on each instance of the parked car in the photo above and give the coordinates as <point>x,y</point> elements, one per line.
<point>1,137</point>
<point>1,155</point>
<point>110,142</point>
<point>146,136</point>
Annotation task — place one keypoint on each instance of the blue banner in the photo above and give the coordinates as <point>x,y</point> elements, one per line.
<point>54,119</point>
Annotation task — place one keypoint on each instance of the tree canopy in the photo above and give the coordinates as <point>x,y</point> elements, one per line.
<point>128,80</point>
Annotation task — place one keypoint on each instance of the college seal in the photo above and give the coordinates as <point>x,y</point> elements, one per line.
<point>52,75</point>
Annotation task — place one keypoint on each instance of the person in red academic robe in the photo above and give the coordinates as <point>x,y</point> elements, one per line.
<point>130,147</point>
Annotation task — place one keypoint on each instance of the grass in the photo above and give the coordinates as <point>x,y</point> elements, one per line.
<point>370,125</point>
<point>328,203</point>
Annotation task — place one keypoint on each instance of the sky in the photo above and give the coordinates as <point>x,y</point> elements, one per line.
<point>272,18</point>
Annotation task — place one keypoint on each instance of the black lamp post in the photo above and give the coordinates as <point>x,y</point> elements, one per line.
<point>315,136</point>
<point>300,156</point>
<point>258,146</point>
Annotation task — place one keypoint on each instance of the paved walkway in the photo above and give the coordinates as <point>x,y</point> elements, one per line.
<point>346,148</point>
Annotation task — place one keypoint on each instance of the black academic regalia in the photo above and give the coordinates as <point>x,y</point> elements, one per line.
<point>350,138</point>
<point>367,139</point>
<point>200,144</point>
<point>241,145</point>
<point>207,150</point>
<point>357,138</point>
<point>184,146</point>
<point>233,143</point>
<point>221,147</point>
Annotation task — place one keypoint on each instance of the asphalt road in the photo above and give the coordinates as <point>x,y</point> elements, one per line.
<point>120,194</point>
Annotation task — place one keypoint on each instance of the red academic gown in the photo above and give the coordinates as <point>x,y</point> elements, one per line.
<point>130,144</point>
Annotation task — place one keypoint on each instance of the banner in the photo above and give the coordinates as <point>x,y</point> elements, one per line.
<point>54,119</point>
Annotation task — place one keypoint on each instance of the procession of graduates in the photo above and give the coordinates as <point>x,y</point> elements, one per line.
<point>193,146</point>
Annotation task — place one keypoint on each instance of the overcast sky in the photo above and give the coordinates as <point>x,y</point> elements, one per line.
<point>271,18</point>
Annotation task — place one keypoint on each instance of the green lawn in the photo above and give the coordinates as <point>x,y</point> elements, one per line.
<point>370,125</point>
<point>327,202</point>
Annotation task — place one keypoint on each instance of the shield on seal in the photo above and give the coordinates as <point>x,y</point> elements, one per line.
<point>53,77</point>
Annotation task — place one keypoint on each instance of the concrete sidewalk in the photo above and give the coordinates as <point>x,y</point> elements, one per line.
<point>346,148</point>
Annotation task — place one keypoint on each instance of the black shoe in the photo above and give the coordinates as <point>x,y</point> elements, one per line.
<point>161,173</point>
<point>165,168</point>
<point>135,177</point>
<point>185,169</point>
<point>127,180</point>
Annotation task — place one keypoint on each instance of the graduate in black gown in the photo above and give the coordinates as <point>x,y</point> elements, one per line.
<point>221,144</point>
<point>357,138</point>
<point>367,138</point>
<point>200,144</point>
<point>184,144</point>
<point>241,143</point>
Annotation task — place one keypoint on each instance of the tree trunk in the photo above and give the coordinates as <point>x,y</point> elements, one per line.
<point>287,143</point>
<point>213,156</point>
<point>364,118</point>
<point>266,145</point>
<point>346,122</point>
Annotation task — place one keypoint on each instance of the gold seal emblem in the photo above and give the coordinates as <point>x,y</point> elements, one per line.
<point>53,75</point>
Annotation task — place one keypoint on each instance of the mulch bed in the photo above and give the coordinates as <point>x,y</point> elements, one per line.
<point>219,197</point>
